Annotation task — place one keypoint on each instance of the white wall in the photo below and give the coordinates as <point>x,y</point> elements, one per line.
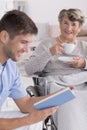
<point>47,10</point>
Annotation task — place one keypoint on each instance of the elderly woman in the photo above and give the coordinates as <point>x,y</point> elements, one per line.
<point>47,61</point>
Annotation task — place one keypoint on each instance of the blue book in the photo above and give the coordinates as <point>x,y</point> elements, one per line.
<point>56,99</point>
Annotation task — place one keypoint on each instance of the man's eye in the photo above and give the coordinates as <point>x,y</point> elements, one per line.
<point>23,42</point>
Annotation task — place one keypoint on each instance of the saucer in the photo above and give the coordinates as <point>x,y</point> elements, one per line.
<point>65,58</point>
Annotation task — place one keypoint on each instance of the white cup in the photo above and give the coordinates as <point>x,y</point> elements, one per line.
<point>68,48</point>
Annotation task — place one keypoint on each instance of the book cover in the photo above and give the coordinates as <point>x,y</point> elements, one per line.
<point>56,99</point>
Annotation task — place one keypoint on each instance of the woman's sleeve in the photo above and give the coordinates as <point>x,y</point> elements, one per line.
<point>39,59</point>
<point>84,47</point>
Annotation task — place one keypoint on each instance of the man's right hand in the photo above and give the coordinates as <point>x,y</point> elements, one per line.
<point>39,115</point>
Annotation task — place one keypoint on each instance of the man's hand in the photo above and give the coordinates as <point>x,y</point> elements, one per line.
<point>40,115</point>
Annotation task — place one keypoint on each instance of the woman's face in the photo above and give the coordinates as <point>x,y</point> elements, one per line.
<point>69,29</point>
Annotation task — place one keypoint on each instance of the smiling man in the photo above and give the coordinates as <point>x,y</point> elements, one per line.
<point>16,30</point>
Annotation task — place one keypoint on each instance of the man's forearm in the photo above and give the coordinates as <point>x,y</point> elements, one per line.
<point>12,123</point>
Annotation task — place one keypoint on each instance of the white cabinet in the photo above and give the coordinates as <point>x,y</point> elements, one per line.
<point>5,5</point>
<point>19,4</point>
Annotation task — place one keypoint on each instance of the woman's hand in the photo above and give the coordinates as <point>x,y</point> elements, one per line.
<point>57,49</point>
<point>72,87</point>
<point>78,62</point>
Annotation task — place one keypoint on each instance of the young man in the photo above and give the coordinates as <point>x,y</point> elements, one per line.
<point>16,30</point>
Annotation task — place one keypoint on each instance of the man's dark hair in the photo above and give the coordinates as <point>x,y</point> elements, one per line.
<point>16,23</point>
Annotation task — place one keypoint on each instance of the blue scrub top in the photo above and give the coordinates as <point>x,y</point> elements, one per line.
<point>10,82</point>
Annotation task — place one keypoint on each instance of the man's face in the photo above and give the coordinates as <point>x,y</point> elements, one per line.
<point>17,46</point>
